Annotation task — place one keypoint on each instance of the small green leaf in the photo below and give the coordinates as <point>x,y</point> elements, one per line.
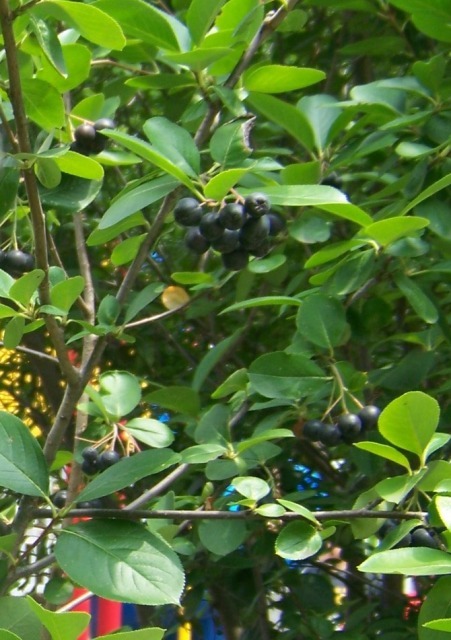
<point>209,361</point>
<point>223,536</point>
<point>266,265</point>
<point>384,232</point>
<point>127,250</point>
<point>415,561</point>
<point>192,277</point>
<point>47,172</point>
<point>198,59</point>
<point>176,398</point>
<point>384,451</point>
<point>150,431</point>
<point>43,103</point>
<point>322,321</point>
<point>132,564</point>
<point>49,43</point>
<point>13,332</point>
<point>219,186</point>
<point>410,421</point>
<point>61,626</point>
<point>175,143</point>
<point>79,165</point>
<point>297,541</point>
<point>149,633</point>
<point>263,436</point>
<point>251,487</point>
<point>17,618</point>
<point>122,392</point>
<point>237,381</point>
<point>142,299</point>
<point>24,287</point>
<point>270,510</point>
<point>71,195</point>
<point>202,453</point>
<point>276,78</point>
<point>441,624</point>
<point>9,183</point>
<point>307,195</point>
<point>298,508</point>
<point>263,302</point>
<point>200,17</point>
<point>443,506</point>
<point>64,294</point>
<point>421,303</point>
<point>229,145</point>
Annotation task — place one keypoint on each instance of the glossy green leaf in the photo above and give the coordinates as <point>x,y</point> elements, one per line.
<point>270,510</point>
<point>9,183</point>
<point>81,166</point>
<point>237,381</point>
<point>263,436</point>
<point>198,59</point>
<point>122,392</point>
<point>132,564</point>
<point>332,251</point>
<point>17,618</point>
<point>128,471</point>
<point>421,303</point>
<point>385,451</point>
<point>146,22</point>
<point>219,186</point>
<point>322,321</point>
<point>435,607</point>
<point>263,302</point>
<point>71,195</point>
<point>176,398</point>
<point>175,143</point>
<point>285,115</point>
<point>298,508</point>
<point>396,489</point>
<point>24,287</point>
<point>200,17</point>
<point>93,24</point>
<point>13,332</point>
<point>268,264</point>
<point>135,199</point>
<point>149,633</point>
<point>385,232</point>
<point>251,487</point>
<point>443,506</point>
<point>202,453</point>
<point>127,250</point>
<point>148,152</point>
<point>276,78</point>
<point>64,294</point>
<point>8,635</point>
<point>431,190</point>
<point>151,432</point>
<point>415,561</point>
<point>209,361</point>
<point>192,277</point>
<point>77,60</point>
<point>298,541</point>
<point>43,103</point>
<point>307,195</point>
<point>321,114</point>
<point>102,236</point>
<point>221,537</point>
<point>442,624</point>
<point>22,464</point>
<point>47,172</point>
<point>61,626</point>
<point>410,421</point>
<point>49,43</point>
<point>229,145</point>
<point>141,300</point>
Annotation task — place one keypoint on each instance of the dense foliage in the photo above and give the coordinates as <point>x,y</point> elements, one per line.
<point>225,250</point>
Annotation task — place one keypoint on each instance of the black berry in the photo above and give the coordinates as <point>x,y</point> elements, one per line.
<point>254,232</point>
<point>104,123</point>
<point>312,429</point>
<point>108,459</point>
<point>232,216</point>
<point>276,223</point>
<point>262,249</point>
<point>369,416</point>
<point>90,454</point>
<point>210,227</point>
<point>421,537</point>
<point>235,260</point>
<point>227,242</point>
<point>350,426</point>
<point>18,261</point>
<point>256,205</point>
<point>59,498</point>
<point>329,435</point>
<point>187,212</point>
<point>85,134</point>
<point>195,241</point>
<point>90,467</point>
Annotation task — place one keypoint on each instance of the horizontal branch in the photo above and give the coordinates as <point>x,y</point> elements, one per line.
<point>189,514</point>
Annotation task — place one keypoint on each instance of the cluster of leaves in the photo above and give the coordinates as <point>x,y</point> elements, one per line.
<point>208,404</point>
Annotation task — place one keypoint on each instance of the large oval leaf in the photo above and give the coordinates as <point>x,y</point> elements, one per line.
<point>121,561</point>
<point>415,561</point>
<point>298,540</point>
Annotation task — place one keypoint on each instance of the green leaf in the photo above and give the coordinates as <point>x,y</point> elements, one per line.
<point>329,253</point>
<point>176,398</point>
<point>269,510</point>
<point>198,59</point>
<point>122,392</point>
<point>128,471</point>
<point>61,626</point>
<point>229,145</point>
<point>219,186</point>
<point>22,464</point>
<point>385,451</point>
<point>222,536</point>
<point>148,152</point>
<point>150,431</point>
<point>149,633</point>
<point>285,115</point>
<point>409,422</point>
<point>396,489</point>
<point>202,453</point>
<point>17,618</point>
<point>263,302</point>
<point>443,506</point>
<point>102,236</point>
<point>24,287</point>
<point>92,23</point>
<point>431,190</point>
<point>13,332</point>
<point>251,487</point>
<point>64,294</point>
<point>77,59</point>
<point>322,321</point>
<point>47,172</point>
<point>266,265</point>
<point>49,43</point>
<point>297,541</point>
<point>43,103</point>
<point>237,381</point>
<point>7,312</point>
<point>142,299</point>
<point>81,166</point>
<point>192,277</point>
<point>385,232</point>
<point>442,624</point>
<point>209,361</point>
<point>8,635</point>
<point>200,17</point>
<point>307,195</point>
<point>415,561</point>
<point>131,563</point>
<point>435,607</point>
<point>9,183</point>
<point>108,310</point>
<point>175,143</point>
<point>276,78</point>
<point>283,375</point>
<point>421,303</point>
<point>135,199</point>
<point>263,436</point>
<point>321,112</point>
<point>141,20</point>
<point>298,508</point>
<point>127,250</point>
<point>71,195</point>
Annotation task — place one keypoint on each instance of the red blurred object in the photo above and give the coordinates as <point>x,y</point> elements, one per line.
<point>109,616</point>
<point>84,606</point>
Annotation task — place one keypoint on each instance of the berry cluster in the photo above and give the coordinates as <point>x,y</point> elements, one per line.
<point>59,499</point>
<point>16,262</point>
<point>237,231</point>
<point>94,461</point>
<point>89,139</point>
<point>419,536</point>
<point>347,428</point>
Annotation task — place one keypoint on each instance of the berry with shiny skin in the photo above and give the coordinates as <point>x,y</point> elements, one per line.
<point>350,427</point>
<point>210,227</point>
<point>422,537</point>
<point>256,205</point>
<point>90,467</point>
<point>195,241</point>
<point>369,416</point>
<point>108,458</point>
<point>59,498</point>
<point>235,260</point>
<point>254,232</point>
<point>330,435</point>
<point>18,261</point>
<point>85,134</point>
<point>232,216</point>
<point>227,242</point>
<point>276,223</point>
<point>90,454</point>
<point>187,212</point>
<point>312,429</point>
<point>262,250</point>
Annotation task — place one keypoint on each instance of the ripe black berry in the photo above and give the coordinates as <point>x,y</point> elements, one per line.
<point>254,232</point>
<point>104,123</point>
<point>227,242</point>
<point>333,180</point>
<point>256,205</point>
<point>2,257</point>
<point>232,216</point>
<point>85,134</point>
<point>187,212</point>
<point>312,429</point>
<point>369,416</point>
<point>276,223</point>
<point>421,537</point>
<point>59,498</point>
<point>18,261</point>
<point>210,227</point>
<point>329,435</point>
<point>90,467</point>
<point>235,260</point>
<point>350,426</point>
<point>195,241</point>
<point>90,504</point>
<point>108,459</point>
<point>90,454</point>
<point>262,249</point>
